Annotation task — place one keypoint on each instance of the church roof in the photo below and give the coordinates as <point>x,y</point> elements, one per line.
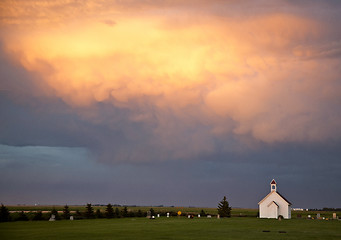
<point>284,198</point>
<point>289,203</point>
<point>273,181</point>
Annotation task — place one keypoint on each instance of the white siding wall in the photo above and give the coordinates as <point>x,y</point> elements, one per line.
<point>267,212</point>
<point>272,211</point>
<point>289,212</point>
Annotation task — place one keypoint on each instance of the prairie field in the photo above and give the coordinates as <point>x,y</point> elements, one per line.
<point>172,228</point>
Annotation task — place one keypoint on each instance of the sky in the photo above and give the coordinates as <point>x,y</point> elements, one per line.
<point>174,103</point>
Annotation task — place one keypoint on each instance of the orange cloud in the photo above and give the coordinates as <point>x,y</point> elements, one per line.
<point>241,76</point>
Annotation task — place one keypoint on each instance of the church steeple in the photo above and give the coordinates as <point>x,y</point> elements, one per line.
<point>273,185</point>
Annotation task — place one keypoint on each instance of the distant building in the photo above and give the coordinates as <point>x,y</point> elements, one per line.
<point>297,209</point>
<point>274,204</point>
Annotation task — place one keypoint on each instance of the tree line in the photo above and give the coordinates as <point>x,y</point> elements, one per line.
<point>89,213</point>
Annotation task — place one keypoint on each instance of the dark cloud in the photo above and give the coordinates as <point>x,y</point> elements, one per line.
<point>68,175</point>
<point>181,147</point>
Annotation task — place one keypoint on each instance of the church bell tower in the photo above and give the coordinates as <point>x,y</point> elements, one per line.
<point>273,185</point>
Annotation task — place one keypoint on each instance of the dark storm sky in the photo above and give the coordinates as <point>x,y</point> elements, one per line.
<point>170,102</point>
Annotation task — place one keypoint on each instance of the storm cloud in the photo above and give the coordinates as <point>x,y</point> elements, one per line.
<point>252,87</point>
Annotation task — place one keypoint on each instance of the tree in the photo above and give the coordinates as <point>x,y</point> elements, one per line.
<point>223,208</point>
<point>152,212</point>
<point>79,214</point>
<point>139,213</point>
<point>125,212</point>
<point>117,213</point>
<point>4,214</point>
<point>202,213</point>
<point>89,213</point>
<point>98,213</point>
<point>109,211</point>
<point>66,212</point>
<point>55,213</point>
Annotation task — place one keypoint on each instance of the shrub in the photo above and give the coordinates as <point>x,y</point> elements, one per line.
<point>38,216</point>
<point>22,217</point>
<point>78,215</point>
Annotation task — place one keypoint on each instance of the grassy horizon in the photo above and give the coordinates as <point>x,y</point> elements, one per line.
<point>235,212</point>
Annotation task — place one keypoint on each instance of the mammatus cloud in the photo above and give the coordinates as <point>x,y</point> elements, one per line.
<point>188,80</point>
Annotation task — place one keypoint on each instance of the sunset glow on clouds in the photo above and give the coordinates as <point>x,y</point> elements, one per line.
<point>266,75</point>
<point>252,86</point>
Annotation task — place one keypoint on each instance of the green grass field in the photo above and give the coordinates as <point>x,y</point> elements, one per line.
<point>173,228</point>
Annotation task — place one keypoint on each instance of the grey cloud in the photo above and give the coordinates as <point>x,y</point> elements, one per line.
<point>53,153</point>
<point>54,175</point>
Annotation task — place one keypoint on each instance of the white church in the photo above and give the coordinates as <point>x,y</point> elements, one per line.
<point>274,204</point>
